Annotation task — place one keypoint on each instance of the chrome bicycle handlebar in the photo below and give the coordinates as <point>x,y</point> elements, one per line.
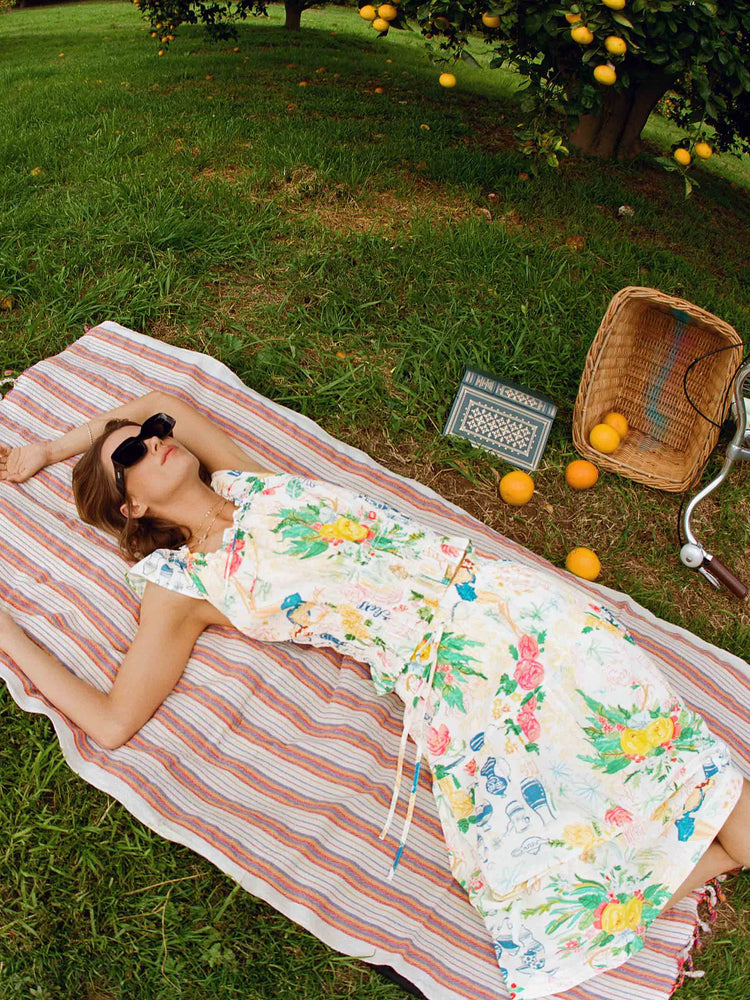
<point>693,554</point>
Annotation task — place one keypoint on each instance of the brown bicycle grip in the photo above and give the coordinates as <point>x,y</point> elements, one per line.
<point>725,577</point>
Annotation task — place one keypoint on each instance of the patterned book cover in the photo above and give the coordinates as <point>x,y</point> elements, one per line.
<point>502,417</point>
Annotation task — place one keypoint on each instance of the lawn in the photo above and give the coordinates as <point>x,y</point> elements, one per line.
<point>347,253</point>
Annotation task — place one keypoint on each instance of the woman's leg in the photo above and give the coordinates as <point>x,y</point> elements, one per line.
<point>714,862</point>
<point>730,849</point>
<point>734,836</point>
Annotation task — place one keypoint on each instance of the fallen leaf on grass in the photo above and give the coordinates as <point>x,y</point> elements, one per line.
<point>575,243</point>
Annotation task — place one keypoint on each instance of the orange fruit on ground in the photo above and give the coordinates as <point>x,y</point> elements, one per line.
<point>618,421</point>
<point>605,74</point>
<point>447,80</point>
<point>581,34</point>
<point>387,11</point>
<point>580,474</point>
<point>604,438</point>
<point>368,12</point>
<point>583,562</point>
<point>572,18</point>
<point>380,24</point>
<point>490,20</point>
<point>516,488</point>
<point>703,150</point>
<point>682,156</point>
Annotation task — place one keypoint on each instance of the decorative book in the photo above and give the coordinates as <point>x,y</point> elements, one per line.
<point>502,417</point>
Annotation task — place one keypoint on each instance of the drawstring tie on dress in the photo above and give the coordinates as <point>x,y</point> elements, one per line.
<point>421,698</point>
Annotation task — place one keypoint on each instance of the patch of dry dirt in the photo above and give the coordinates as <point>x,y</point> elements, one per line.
<point>306,194</point>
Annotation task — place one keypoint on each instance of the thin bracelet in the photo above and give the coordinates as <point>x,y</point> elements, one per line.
<point>91,437</point>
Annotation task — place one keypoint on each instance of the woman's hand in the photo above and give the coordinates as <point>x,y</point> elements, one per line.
<point>19,464</point>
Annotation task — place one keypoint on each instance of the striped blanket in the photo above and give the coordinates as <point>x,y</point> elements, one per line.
<point>276,761</point>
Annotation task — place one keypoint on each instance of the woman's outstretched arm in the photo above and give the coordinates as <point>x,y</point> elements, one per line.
<point>213,446</point>
<point>170,624</point>
<point>21,463</point>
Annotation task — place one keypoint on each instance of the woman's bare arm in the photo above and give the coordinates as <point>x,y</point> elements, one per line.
<point>203,436</point>
<point>213,446</point>
<point>170,624</point>
<point>21,463</point>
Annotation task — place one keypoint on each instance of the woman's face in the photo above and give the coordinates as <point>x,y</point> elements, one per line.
<point>158,476</point>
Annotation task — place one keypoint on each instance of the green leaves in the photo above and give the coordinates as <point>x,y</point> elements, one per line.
<point>621,19</point>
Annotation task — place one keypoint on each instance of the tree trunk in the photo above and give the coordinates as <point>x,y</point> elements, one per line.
<point>293,10</point>
<point>615,132</point>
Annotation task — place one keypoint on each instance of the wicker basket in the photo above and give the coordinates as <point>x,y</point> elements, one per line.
<point>636,366</point>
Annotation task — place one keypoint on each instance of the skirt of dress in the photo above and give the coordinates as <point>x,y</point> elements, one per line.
<point>576,791</point>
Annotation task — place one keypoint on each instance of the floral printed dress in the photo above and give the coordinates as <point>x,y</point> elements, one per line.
<point>575,790</point>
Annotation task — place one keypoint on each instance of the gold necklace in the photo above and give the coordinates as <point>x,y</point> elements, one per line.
<point>215,510</point>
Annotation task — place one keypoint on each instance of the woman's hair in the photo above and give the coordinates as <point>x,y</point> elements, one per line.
<point>98,502</point>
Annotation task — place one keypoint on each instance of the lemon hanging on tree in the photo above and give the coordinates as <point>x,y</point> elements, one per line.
<point>447,80</point>
<point>581,34</point>
<point>605,74</point>
<point>703,150</point>
<point>682,156</point>
<point>614,4</point>
<point>490,20</point>
<point>615,45</point>
<point>380,24</point>
<point>368,12</point>
<point>572,18</point>
<point>387,11</point>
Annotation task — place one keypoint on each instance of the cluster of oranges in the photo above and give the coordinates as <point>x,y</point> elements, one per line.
<point>701,150</point>
<point>604,73</point>
<point>607,436</point>
<point>517,487</point>
<point>380,18</point>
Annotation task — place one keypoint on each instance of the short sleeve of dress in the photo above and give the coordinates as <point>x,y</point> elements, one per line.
<point>166,568</point>
<point>239,486</point>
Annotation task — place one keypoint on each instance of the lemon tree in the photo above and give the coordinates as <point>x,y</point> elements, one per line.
<point>166,16</point>
<point>603,65</point>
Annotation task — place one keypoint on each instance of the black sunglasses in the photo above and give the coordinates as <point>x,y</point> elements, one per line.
<point>133,449</point>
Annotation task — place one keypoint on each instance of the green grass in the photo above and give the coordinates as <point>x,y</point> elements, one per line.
<point>278,227</point>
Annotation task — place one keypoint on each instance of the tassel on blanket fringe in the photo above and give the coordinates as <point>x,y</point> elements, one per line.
<point>712,896</point>
<point>7,380</point>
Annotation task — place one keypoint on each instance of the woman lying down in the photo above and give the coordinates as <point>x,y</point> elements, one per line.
<point>578,795</point>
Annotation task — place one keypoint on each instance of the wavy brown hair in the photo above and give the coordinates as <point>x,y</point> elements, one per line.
<point>98,503</point>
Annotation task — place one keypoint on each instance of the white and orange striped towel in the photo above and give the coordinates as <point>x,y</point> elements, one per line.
<point>276,761</point>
